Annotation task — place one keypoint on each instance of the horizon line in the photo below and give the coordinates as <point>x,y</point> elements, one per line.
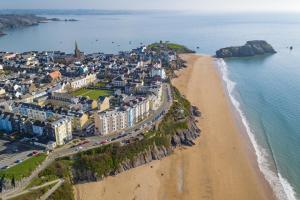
<point>153,10</point>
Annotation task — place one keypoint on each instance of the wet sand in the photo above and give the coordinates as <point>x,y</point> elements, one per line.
<point>218,167</point>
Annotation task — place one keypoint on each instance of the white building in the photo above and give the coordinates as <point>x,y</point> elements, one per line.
<point>158,72</point>
<point>156,97</point>
<point>110,121</point>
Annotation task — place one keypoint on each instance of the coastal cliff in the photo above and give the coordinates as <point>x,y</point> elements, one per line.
<point>184,137</point>
<point>251,48</point>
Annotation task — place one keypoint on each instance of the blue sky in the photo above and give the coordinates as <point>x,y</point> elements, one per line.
<point>201,5</point>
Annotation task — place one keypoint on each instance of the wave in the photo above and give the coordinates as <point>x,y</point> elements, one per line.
<point>281,187</point>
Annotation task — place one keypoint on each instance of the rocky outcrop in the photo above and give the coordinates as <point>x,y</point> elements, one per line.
<point>251,48</point>
<point>186,137</point>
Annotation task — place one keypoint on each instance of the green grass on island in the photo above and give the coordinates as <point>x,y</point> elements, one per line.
<point>93,94</point>
<point>170,46</point>
<point>23,169</point>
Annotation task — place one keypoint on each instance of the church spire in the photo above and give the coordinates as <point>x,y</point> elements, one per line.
<point>77,51</point>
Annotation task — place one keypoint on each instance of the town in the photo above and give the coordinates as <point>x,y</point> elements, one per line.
<point>50,98</point>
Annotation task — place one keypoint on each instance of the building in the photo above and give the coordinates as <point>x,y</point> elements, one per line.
<point>110,121</point>
<point>60,130</point>
<point>55,75</point>
<point>38,128</point>
<point>103,103</point>
<point>6,122</point>
<point>34,111</point>
<point>62,99</point>
<point>79,120</point>
<point>160,72</point>
<point>119,82</point>
<point>115,120</point>
<point>2,91</point>
<point>83,81</point>
<point>69,58</point>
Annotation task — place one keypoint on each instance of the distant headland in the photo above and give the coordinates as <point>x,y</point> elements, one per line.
<point>13,21</point>
<point>251,48</point>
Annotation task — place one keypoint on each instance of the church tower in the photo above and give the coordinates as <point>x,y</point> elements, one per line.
<point>77,52</point>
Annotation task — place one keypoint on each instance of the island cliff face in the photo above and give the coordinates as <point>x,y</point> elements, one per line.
<point>251,48</point>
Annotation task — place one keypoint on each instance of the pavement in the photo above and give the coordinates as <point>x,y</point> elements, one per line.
<point>49,192</point>
<point>52,190</point>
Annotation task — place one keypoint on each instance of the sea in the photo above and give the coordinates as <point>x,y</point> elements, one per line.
<point>264,90</point>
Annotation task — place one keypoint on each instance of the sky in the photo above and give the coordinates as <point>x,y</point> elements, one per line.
<point>197,5</point>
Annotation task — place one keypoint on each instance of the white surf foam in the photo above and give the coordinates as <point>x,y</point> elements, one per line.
<point>281,187</point>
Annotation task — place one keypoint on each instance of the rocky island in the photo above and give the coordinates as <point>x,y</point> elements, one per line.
<point>251,48</point>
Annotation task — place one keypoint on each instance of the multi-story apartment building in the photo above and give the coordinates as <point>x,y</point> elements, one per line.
<point>116,120</point>
<point>60,130</point>
<point>110,121</point>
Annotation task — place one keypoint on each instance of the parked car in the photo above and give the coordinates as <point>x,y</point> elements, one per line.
<point>103,142</point>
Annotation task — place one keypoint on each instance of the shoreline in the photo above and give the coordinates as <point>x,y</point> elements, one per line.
<point>217,167</point>
<point>245,138</point>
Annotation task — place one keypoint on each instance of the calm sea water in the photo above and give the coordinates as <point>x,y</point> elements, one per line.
<point>265,90</point>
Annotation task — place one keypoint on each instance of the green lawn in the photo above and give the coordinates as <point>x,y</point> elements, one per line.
<point>91,93</point>
<point>23,169</point>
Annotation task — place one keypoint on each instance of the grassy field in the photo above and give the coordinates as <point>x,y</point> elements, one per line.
<point>23,169</point>
<point>91,93</point>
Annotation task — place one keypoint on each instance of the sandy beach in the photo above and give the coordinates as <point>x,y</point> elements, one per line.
<point>218,167</point>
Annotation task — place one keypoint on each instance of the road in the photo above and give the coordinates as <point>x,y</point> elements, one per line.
<point>95,141</point>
